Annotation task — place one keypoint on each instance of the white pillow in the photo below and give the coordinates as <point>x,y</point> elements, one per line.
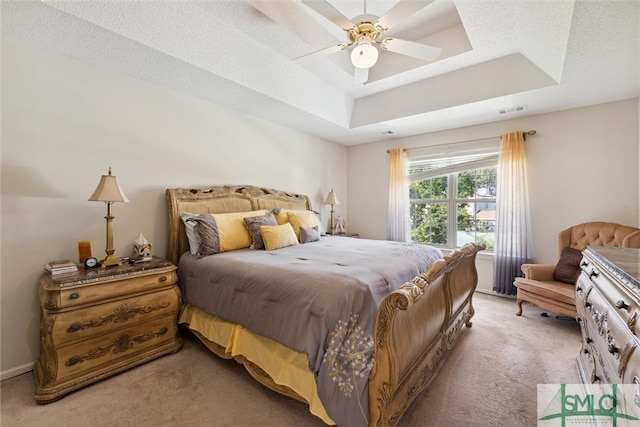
<point>194,243</point>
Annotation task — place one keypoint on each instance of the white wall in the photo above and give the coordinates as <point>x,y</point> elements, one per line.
<point>65,122</point>
<point>582,166</point>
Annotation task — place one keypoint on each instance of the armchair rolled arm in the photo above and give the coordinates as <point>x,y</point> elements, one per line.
<point>538,271</point>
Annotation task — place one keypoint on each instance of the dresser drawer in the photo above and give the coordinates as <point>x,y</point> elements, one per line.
<point>100,319</point>
<point>618,298</point>
<point>74,296</point>
<point>612,342</point>
<point>586,364</point>
<point>112,348</point>
<point>596,357</point>
<point>583,288</point>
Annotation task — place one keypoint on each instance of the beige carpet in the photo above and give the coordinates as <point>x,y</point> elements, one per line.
<point>489,380</point>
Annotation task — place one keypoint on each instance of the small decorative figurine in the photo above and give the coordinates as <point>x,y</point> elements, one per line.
<point>142,248</point>
<point>341,225</point>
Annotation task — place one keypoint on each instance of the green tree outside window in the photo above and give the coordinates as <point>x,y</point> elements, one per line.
<point>471,207</point>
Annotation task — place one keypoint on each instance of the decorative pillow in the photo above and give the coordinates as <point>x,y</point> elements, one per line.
<point>222,232</point>
<point>207,234</point>
<point>302,218</point>
<point>253,225</point>
<point>278,236</point>
<point>568,267</point>
<point>309,234</point>
<point>194,244</point>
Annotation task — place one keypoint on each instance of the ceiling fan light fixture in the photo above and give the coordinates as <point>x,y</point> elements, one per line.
<point>364,55</point>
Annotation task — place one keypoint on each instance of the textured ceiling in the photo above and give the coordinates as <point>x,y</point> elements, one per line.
<point>252,56</point>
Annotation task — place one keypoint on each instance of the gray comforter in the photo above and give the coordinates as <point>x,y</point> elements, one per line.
<point>318,298</point>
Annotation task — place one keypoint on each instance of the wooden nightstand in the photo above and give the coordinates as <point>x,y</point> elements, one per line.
<point>104,322</point>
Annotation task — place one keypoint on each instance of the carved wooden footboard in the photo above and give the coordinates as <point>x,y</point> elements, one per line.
<point>416,327</point>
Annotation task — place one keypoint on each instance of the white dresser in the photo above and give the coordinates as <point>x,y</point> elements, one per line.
<point>608,306</point>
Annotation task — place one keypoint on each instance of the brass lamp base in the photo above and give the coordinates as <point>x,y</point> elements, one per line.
<point>110,261</point>
<point>331,223</point>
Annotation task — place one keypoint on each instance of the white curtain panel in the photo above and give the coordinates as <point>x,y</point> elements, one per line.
<point>398,216</point>
<point>513,224</point>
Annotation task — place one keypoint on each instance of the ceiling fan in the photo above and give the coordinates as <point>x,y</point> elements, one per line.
<point>367,30</point>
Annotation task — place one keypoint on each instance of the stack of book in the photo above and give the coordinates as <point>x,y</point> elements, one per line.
<point>62,269</point>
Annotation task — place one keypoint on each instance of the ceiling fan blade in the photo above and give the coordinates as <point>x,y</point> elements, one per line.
<point>412,49</point>
<point>361,75</point>
<point>401,11</point>
<point>326,51</point>
<point>325,9</point>
<point>294,17</point>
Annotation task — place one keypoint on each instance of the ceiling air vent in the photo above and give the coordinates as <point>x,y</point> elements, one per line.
<point>512,109</point>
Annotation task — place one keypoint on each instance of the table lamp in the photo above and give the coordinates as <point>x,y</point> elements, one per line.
<point>331,200</point>
<point>109,191</point>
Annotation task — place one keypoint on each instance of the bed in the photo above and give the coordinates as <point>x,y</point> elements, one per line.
<point>355,328</point>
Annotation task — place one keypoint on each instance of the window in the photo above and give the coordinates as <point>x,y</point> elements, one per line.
<point>453,199</point>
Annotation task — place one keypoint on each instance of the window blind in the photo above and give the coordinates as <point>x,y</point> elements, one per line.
<point>444,166</point>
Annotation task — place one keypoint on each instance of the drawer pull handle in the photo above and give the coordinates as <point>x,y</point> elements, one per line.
<point>621,304</point>
<point>75,295</point>
<point>585,351</point>
<point>612,348</point>
<point>588,340</point>
<point>74,327</point>
<point>163,278</point>
<point>74,360</point>
<point>584,263</point>
<point>594,273</point>
<point>579,288</point>
<point>594,377</point>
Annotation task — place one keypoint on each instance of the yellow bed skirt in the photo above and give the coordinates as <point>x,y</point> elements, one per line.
<point>285,366</point>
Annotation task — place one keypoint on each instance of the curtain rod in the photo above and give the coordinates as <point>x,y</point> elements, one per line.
<point>530,132</point>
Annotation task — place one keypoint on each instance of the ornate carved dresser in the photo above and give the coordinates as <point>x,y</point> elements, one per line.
<point>608,306</point>
<point>103,322</point>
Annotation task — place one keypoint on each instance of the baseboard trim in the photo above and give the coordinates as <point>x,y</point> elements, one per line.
<point>495,294</point>
<point>14,372</point>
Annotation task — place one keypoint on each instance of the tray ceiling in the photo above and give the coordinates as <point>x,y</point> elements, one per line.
<point>500,59</point>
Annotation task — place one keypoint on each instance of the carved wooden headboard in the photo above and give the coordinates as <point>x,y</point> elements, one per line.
<point>221,199</point>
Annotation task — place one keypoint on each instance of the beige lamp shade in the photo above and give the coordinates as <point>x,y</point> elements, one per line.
<point>331,199</point>
<point>108,190</point>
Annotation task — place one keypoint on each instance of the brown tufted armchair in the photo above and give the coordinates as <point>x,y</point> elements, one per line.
<point>552,286</point>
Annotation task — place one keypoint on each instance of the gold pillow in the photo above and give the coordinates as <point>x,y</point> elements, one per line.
<point>304,219</point>
<point>278,236</point>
